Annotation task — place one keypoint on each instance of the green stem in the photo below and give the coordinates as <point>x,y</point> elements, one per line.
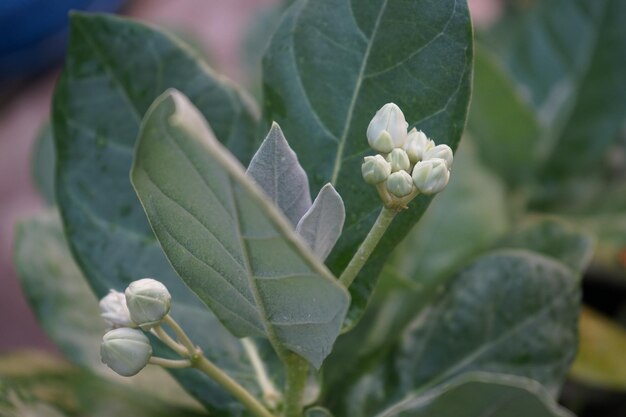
<point>367,247</point>
<point>231,386</point>
<point>180,334</point>
<point>174,345</point>
<point>170,363</point>
<point>297,375</point>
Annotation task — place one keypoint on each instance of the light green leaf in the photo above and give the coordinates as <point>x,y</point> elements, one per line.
<point>228,242</point>
<point>322,224</point>
<point>115,69</point>
<point>43,163</point>
<point>332,64</point>
<point>479,395</point>
<point>600,360</point>
<point>276,170</point>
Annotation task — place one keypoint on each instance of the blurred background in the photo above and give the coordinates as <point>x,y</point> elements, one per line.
<point>231,34</point>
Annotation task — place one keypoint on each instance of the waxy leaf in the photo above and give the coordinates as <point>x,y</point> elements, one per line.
<point>275,168</point>
<point>480,395</point>
<point>332,64</point>
<point>226,239</point>
<point>322,224</point>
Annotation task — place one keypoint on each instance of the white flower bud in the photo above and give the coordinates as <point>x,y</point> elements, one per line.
<point>431,176</point>
<point>400,184</point>
<point>126,351</point>
<point>148,302</point>
<point>114,311</point>
<point>442,152</point>
<point>387,130</point>
<point>416,144</point>
<point>399,160</point>
<point>375,169</point>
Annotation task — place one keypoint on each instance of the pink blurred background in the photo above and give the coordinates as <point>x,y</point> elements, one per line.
<point>219,26</point>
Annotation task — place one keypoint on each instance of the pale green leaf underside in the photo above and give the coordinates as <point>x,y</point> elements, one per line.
<point>276,170</point>
<point>481,395</point>
<point>231,246</point>
<point>322,224</point>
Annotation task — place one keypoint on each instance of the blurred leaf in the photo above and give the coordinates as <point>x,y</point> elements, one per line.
<point>115,69</point>
<point>554,238</point>
<point>512,312</point>
<point>501,122</point>
<point>480,395</point>
<point>42,163</point>
<point>36,382</point>
<point>331,65</point>
<point>600,361</point>
<point>226,239</point>
<point>68,310</point>
<point>570,56</point>
<point>317,412</point>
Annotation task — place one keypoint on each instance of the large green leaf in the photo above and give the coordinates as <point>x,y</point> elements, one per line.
<point>511,312</point>
<point>331,64</point>
<point>569,56</point>
<point>233,247</point>
<point>115,68</point>
<point>480,395</point>
<point>36,384</point>
<point>68,311</point>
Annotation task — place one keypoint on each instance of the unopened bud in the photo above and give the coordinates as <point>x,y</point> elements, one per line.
<point>375,169</point>
<point>126,351</point>
<point>442,152</point>
<point>431,176</point>
<point>399,160</point>
<point>114,311</point>
<point>416,145</point>
<point>387,130</point>
<point>400,184</point>
<point>148,302</point>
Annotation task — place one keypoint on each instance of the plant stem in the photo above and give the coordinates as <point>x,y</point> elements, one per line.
<point>165,338</point>
<point>270,393</point>
<point>180,333</point>
<point>297,375</point>
<point>170,363</point>
<point>367,247</point>
<point>231,386</point>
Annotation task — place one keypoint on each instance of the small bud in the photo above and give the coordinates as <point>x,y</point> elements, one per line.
<point>126,351</point>
<point>114,311</point>
<point>148,302</point>
<point>442,152</point>
<point>431,176</point>
<point>375,169</point>
<point>387,130</point>
<point>400,184</point>
<point>416,144</point>
<point>399,160</point>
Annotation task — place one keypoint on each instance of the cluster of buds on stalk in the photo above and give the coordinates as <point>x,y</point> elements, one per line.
<point>144,305</point>
<point>407,163</point>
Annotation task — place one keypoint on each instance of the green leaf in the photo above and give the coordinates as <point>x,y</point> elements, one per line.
<point>43,163</point>
<point>329,67</point>
<point>501,122</point>
<point>38,383</point>
<point>569,57</point>
<point>512,312</point>
<point>600,360</point>
<point>321,225</point>
<point>554,238</point>
<point>226,239</point>
<point>317,412</point>
<point>115,69</point>
<point>478,395</point>
<point>276,170</point>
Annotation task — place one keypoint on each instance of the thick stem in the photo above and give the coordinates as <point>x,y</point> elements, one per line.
<point>297,374</point>
<point>367,247</point>
<point>232,386</point>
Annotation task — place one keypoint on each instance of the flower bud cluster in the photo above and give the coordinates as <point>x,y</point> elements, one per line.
<point>407,163</point>
<point>145,303</point>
